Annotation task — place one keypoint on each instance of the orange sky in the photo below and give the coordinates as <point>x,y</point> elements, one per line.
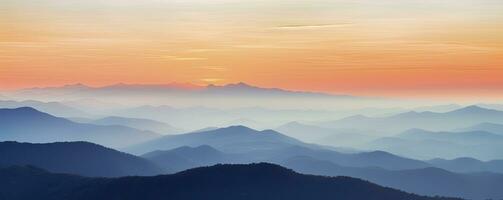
<point>362,47</point>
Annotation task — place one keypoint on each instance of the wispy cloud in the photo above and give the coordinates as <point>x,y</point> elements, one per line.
<point>214,68</point>
<point>177,58</point>
<point>211,80</point>
<point>311,26</point>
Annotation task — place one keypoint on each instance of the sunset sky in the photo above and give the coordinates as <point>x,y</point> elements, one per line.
<point>360,47</point>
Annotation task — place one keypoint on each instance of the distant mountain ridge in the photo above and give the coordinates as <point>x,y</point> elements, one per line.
<point>489,127</point>
<point>224,182</point>
<point>426,181</point>
<point>80,158</point>
<point>141,124</point>
<point>468,165</point>
<point>54,108</point>
<point>231,139</point>
<point>442,144</point>
<point>470,115</point>
<point>185,157</point>
<point>233,88</point>
<point>30,125</point>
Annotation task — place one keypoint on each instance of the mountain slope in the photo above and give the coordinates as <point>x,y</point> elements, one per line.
<point>463,138</point>
<point>468,165</point>
<point>54,108</point>
<point>29,125</point>
<point>80,158</point>
<point>432,144</point>
<point>230,139</point>
<point>253,182</point>
<point>463,117</point>
<point>206,155</point>
<point>185,157</point>
<point>141,124</point>
<point>426,181</point>
<point>489,127</point>
<point>326,136</point>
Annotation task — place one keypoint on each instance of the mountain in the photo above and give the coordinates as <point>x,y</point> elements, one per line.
<point>364,159</point>
<point>425,181</point>
<point>29,125</point>
<point>438,108</point>
<point>230,139</point>
<point>185,157</point>
<point>442,144</point>
<point>137,123</point>
<point>80,158</point>
<point>241,89</point>
<point>468,165</point>
<point>463,117</point>
<point>253,182</point>
<point>303,131</point>
<point>179,117</point>
<point>204,155</point>
<point>54,108</point>
<point>463,138</point>
<point>326,136</point>
<point>244,145</point>
<point>488,127</point>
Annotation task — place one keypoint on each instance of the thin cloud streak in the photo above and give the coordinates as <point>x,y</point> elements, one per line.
<point>311,26</point>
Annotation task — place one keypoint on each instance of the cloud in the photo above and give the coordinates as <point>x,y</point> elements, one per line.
<point>211,80</point>
<point>214,68</point>
<point>177,58</point>
<point>310,26</point>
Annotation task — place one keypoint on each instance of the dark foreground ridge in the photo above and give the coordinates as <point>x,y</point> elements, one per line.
<point>247,182</point>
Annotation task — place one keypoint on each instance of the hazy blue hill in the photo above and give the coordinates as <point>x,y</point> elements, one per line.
<point>183,158</point>
<point>422,149</point>
<point>467,138</point>
<point>463,117</point>
<point>137,123</point>
<point>365,159</point>
<point>489,127</point>
<point>253,182</point>
<point>81,158</point>
<point>423,144</point>
<point>468,165</point>
<point>54,108</point>
<point>29,125</point>
<point>187,157</point>
<point>326,136</point>
<point>426,181</point>
<point>230,139</point>
<point>303,131</point>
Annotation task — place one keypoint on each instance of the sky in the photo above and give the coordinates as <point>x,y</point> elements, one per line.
<point>359,47</point>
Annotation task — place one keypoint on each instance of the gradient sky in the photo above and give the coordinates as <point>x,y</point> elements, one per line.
<point>361,47</point>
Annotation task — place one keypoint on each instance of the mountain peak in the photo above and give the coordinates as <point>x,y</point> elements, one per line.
<point>21,110</point>
<point>237,128</point>
<point>473,109</point>
<point>76,86</point>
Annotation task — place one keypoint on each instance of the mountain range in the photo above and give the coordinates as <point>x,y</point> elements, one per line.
<point>29,125</point>
<point>426,181</point>
<point>79,158</point>
<point>137,123</point>
<point>54,108</point>
<point>230,139</point>
<point>253,182</point>
<point>240,89</point>
<point>467,116</point>
<point>378,167</point>
<point>488,127</point>
<point>419,143</point>
<point>325,136</point>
